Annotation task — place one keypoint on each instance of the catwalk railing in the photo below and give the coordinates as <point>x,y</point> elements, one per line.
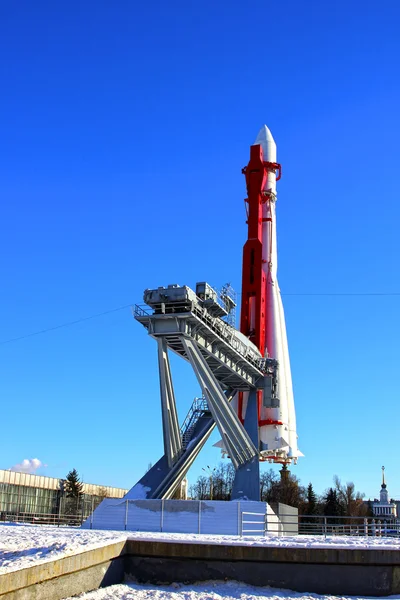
<point>199,407</point>
<point>221,328</point>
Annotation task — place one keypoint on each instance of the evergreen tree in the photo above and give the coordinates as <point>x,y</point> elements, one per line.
<point>369,511</point>
<point>332,506</point>
<point>309,510</point>
<point>73,485</point>
<point>311,506</point>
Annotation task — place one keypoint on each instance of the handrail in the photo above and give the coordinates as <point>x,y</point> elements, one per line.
<point>319,525</point>
<point>217,325</point>
<point>246,522</point>
<point>198,407</point>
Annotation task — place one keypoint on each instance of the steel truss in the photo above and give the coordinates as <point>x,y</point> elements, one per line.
<point>222,366</point>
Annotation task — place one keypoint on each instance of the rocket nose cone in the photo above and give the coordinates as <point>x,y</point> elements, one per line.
<point>267,142</point>
<point>264,135</point>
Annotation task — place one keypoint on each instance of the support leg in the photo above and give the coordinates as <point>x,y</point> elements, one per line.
<point>171,431</point>
<point>247,479</point>
<point>236,440</point>
<point>161,481</point>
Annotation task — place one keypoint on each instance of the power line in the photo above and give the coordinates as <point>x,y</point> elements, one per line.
<point>107,312</point>
<point>28,335</point>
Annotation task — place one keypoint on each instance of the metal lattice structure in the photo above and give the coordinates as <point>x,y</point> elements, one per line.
<point>193,325</point>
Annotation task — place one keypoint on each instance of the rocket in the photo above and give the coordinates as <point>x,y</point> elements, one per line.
<point>262,318</point>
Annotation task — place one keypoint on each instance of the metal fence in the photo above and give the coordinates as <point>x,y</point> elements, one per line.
<point>259,523</point>
<point>66,511</point>
<point>209,517</point>
<point>321,525</point>
<point>43,519</point>
<point>73,512</point>
<point>254,522</point>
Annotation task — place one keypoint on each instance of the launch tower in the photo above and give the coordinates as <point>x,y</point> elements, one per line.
<point>244,375</point>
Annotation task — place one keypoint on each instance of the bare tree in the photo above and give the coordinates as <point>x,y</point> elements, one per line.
<point>351,501</point>
<point>100,496</point>
<point>288,491</point>
<point>222,481</point>
<point>219,483</point>
<point>102,492</point>
<point>267,480</point>
<point>200,489</point>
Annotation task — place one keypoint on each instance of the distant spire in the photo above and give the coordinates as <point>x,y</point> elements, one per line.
<point>383,478</point>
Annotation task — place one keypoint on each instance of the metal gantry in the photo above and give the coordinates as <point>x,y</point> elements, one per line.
<point>193,326</point>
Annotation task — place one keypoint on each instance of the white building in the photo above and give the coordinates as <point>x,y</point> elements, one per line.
<point>24,494</point>
<point>384,508</point>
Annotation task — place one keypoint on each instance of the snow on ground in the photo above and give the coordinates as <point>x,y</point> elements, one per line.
<point>22,545</point>
<point>301,541</point>
<point>211,590</point>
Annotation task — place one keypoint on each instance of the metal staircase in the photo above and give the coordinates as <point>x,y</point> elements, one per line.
<point>198,409</point>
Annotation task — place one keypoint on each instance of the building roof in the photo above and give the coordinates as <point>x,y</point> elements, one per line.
<point>52,483</point>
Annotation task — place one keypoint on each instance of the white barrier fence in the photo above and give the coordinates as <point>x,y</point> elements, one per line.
<point>176,516</point>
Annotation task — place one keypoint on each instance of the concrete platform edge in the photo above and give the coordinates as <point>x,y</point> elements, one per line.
<point>11,583</point>
<point>371,572</point>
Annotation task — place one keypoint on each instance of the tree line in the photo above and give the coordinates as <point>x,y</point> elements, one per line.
<point>341,499</point>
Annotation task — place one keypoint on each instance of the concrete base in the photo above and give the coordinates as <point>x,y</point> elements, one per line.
<point>300,578</point>
<point>318,570</point>
<point>322,571</point>
<point>57,579</point>
<point>288,517</point>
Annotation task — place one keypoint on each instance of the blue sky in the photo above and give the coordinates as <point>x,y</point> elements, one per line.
<point>124,128</point>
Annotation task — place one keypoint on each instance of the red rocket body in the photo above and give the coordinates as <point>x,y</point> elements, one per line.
<point>262,318</point>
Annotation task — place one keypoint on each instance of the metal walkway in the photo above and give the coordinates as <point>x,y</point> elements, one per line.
<point>234,364</point>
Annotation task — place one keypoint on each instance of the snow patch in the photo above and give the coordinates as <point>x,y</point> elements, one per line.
<point>138,492</point>
<point>210,590</point>
<point>23,546</point>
